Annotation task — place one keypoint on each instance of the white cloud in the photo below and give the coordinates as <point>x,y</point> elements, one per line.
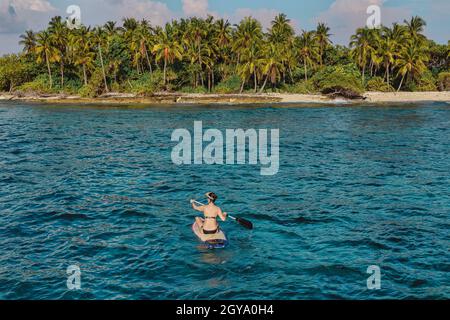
<point>198,8</point>
<point>263,15</point>
<point>345,16</point>
<point>32,5</point>
<point>100,11</point>
<point>18,15</point>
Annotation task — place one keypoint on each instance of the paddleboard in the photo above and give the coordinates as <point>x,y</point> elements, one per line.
<point>211,241</point>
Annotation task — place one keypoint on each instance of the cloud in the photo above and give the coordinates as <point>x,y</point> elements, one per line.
<point>32,5</point>
<point>100,11</point>
<point>265,16</point>
<point>198,8</point>
<point>19,15</point>
<point>345,16</point>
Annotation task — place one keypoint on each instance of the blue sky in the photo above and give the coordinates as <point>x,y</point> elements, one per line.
<point>343,16</point>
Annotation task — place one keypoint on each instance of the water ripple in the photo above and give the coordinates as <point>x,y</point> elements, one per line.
<point>95,187</point>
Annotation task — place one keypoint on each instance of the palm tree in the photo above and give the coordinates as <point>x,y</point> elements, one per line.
<point>388,51</point>
<point>133,39</point>
<point>28,41</point>
<point>271,64</point>
<point>411,62</point>
<point>246,44</point>
<point>144,33</point>
<point>222,30</point>
<point>84,55</point>
<point>221,43</point>
<point>194,35</point>
<point>100,38</point>
<point>282,34</point>
<point>167,48</point>
<point>249,66</point>
<point>308,50</point>
<point>281,30</point>
<point>415,27</point>
<point>361,44</point>
<point>59,33</point>
<point>46,52</point>
<point>110,28</point>
<point>375,54</point>
<point>323,39</point>
<point>247,34</point>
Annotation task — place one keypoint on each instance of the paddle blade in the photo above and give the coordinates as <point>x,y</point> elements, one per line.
<point>245,223</point>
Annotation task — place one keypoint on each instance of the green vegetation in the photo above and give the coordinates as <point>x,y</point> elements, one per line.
<point>339,80</point>
<point>207,55</point>
<point>378,84</point>
<point>444,81</point>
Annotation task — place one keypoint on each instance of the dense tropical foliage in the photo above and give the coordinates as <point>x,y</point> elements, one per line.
<point>209,55</point>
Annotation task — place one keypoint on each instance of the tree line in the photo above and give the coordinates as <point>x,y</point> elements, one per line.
<point>212,55</point>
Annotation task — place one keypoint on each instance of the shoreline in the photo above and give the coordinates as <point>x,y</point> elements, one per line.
<point>279,98</point>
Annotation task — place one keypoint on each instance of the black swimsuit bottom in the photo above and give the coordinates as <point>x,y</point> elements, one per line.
<point>211,231</point>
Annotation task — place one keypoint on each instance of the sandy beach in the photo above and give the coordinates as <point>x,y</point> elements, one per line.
<point>407,96</point>
<point>178,98</point>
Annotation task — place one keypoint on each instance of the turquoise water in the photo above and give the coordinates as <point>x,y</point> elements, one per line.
<point>96,187</point>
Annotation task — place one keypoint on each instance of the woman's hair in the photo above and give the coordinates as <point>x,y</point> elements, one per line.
<point>211,196</point>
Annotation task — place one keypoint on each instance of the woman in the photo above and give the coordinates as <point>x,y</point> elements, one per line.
<point>209,224</point>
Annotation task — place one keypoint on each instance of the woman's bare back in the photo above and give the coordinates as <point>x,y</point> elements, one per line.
<point>210,212</point>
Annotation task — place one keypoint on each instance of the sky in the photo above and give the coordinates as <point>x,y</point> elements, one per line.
<point>343,16</point>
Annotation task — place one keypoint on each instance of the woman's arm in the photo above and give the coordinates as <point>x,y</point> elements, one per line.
<point>223,215</point>
<point>198,208</point>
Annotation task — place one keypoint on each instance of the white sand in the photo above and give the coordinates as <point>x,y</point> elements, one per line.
<point>371,97</point>
<point>407,96</point>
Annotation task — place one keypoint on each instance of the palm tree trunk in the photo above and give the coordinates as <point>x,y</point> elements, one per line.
<point>242,86</point>
<point>148,60</point>
<point>265,83</point>
<point>256,81</point>
<point>103,68</point>
<point>209,81</point>
<point>388,78</point>
<point>306,71</point>
<point>363,73</point>
<point>321,56</point>
<point>49,70</point>
<point>401,82</point>
<point>165,69</point>
<point>85,75</point>
<point>62,74</point>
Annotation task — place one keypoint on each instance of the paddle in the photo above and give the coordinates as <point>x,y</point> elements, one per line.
<point>243,222</point>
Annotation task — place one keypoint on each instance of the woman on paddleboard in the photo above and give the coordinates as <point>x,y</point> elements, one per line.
<point>209,224</point>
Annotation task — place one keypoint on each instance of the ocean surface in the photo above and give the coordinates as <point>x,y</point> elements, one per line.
<point>95,187</point>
